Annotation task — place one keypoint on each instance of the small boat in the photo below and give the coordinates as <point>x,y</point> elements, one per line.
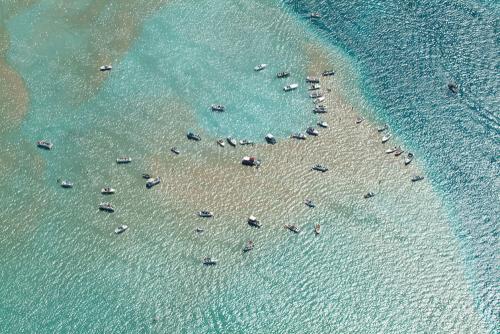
<point>359,120</point>
<point>298,135</point>
<point>106,207</point>
<point>319,100</point>
<point>386,138</point>
<point>312,131</point>
<point>391,150</point>
<point>66,184</point>
<point>260,67</point>
<point>175,150</point>
<point>323,124</point>
<point>309,203</point>
<point>292,227</point>
<point>193,136</point>
<point>153,182</point>
<point>44,144</point>
<point>453,87</point>
<point>246,142</point>
<point>249,246</point>
<point>317,229</point>
<point>121,229</point>
<point>281,75</point>
<point>321,109</point>
<point>252,221</point>
<point>209,261</point>
<point>398,152</point>
<point>382,128</point>
<point>270,139</point>
<point>290,87</point>
<point>315,95</point>
<point>221,142</point>
<point>250,161</point>
<point>408,158</point>
<point>312,80</point>
<point>199,229</point>
<point>417,178</point>
<point>314,87</point>
<point>107,191</point>
<point>369,195</point>
<point>105,68</point>
<point>315,15</point>
<point>320,168</point>
<point>217,107</point>
<point>123,160</point>
<point>328,73</point>
<point>231,141</point>
<point>146,176</point>
<point>205,214</point>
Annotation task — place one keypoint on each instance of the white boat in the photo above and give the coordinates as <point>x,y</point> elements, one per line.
<point>107,191</point>
<point>246,142</point>
<point>153,182</point>
<point>312,131</point>
<point>314,87</point>
<point>386,138</point>
<point>298,135</point>
<point>221,142</point>
<point>250,161</point>
<point>359,120</point>
<point>315,15</point>
<point>417,178</point>
<point>260,67</point>
<point>408,158</point>
<point>270,139</point>
<point>252,221</point>
<point>323,124</point>
<point>317,229</point>
<point>290,87</point>
<point>382,128</point>
<point>105,68</point>
<point>281,75</point>
<point>315,95</point>
<point>205,214</point>
<point>320,168</point>
<point>44,144</point>
<point>209,261</point>
<point>292,227</point>
<point>121,229</point>
<point>319,100</point>
<point>391,150</point>
<point>106,207</point>
<point>312,79</point>
<point>320,109</point>
<point>123,160</point>
<point>217,107</point>
<point>231,141</point>
<point>66,184</point>
<point>328,73</point>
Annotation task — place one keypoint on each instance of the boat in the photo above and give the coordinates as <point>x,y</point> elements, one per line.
<point>193,136</point>
<point>205,214</point>
<point>323,124</point>
<point>314,87</point>
<point>146,176</point>
<point>209,261</point>
<point>453,87</point>
<point>121,229</point>
<point>320,168</point>
<point>309,203</point>
<point>260,67</point>
<point>321,109</point>
<point>317,229</point>
<point>252,221</point>
<point>105,68</point>
<point>250,161</point>
<point>290,87</point>
<point>249,246</point>
<point>382,128</point>
<point>417,178</point>
<point>315,95</point>
<point>153,182</point>
<point>398,152</point>
<point>283,74</point>
<point>246,142</point>
<point>200,229</point>
<point>231,141</point>
<point>386,138</point>
<point>298,135</point>
<point>328,73</point>
<point>408,158</point>
<point>123,160</point>
<point>369,195</point>
<point>391,150</point>
<point>217,107</point>
<point>221,142</point>
<point>106,207</point>
<point>312,80</point>
<point>107,191</point>
<point>66,184</point>
<point>270,139</point>
<point>292,227</point>
<point>359,120</point>
<point>44,144</point>
<point>315,15</point>
<point>319,100</point>
<point>312,131</point>
<point>175,150</point>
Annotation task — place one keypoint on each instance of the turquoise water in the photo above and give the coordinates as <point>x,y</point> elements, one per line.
<point>63,270</point>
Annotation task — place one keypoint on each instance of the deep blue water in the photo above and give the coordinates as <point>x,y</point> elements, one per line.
<point>407,52</point>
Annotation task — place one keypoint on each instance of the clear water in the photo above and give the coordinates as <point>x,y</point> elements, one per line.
<point>63,269</point>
